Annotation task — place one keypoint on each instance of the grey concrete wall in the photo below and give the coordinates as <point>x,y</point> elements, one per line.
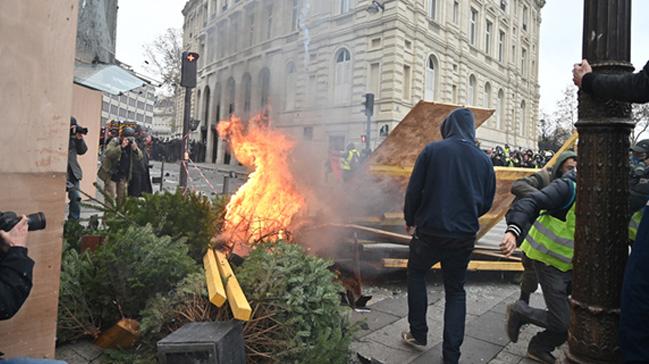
<point>36,68</point>
<point>97,31</point>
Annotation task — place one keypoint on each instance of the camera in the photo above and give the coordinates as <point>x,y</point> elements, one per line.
<point>9,219</point>
<point>76,129</point>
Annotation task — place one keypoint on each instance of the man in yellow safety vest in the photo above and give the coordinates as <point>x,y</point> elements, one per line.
<point>549,216</point>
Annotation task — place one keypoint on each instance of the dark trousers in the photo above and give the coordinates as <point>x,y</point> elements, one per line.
<point>555,320</point>
<point>529,282</point>
<point>454,254</point>
<point>74,211</point>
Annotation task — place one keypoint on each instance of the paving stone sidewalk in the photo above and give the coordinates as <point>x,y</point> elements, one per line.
<point>379,338</point>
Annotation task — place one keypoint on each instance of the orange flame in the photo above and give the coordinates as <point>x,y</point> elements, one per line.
<point>266,205</point>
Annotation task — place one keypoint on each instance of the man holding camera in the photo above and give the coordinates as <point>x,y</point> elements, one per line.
<point>15,269</point>
<point>76,146</point>
<point>119,160</point>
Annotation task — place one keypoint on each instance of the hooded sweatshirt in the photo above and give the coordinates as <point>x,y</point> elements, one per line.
<point>453,182</point>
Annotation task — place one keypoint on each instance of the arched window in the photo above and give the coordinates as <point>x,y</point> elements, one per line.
<point>487,95</point>
<point>231,95</point>
<point>500,111</point>
<point>246,86</point>
<point>344,6</point>
<point>430,78</point>
<point>521,119</point>
<point>343,76</point>
<point>289,95</point>
<point>470,92</point>
<point>264,83</point>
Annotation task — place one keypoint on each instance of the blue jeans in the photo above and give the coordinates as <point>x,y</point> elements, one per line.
<point>75,197</point>
<point>454,255</point>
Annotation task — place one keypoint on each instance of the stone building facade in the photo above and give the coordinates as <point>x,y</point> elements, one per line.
<point>136,105</point>
<point>309,64</point>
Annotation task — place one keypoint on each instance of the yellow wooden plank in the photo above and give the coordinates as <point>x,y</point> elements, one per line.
<point>474,265</point>
<point>238,302</point>
<point>215,288</point>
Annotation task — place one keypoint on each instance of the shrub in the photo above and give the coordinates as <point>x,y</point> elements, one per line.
<point>296,301</point>
<point>134,265</point>
<point>179,215</point>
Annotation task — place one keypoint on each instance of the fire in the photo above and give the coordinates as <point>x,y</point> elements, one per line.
<point>264,208</point>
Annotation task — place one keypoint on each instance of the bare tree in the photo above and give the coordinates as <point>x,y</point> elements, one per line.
<point>566,114</point>
<point>556,128</point>
<point>163,58</point>
<point>640,115</point>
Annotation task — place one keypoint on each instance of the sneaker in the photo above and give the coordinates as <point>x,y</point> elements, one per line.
<point>514,323</point>
<point>410,340</point>
<point>541,356</point>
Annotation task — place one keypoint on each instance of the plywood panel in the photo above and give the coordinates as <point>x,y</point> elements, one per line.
<point>38,46</point>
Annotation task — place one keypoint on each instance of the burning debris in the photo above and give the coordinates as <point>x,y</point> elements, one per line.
<point>265,207</point>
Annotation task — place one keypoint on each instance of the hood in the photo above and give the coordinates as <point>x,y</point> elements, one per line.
<point>459,124</point>
<point>556,168</point>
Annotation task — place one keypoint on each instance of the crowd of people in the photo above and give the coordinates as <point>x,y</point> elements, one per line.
<point>517,157</point>
<point>170,150</point>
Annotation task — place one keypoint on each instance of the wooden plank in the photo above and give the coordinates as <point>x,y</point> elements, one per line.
<point>215,289</point>
<point>474,265</point>
<point>238,302</point>
<point>567,145</point>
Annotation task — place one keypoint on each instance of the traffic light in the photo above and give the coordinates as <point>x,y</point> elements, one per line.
<point>363,139</point>
<point>188,69</point>
<point>369,104</point>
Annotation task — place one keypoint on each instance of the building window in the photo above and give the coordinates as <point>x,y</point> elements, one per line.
<point>264,82</point>
<point>525,17</point>
<point>373,82</point>
<point>500,109</point>
<point>514,54</point>
<point>294,17</point>
<point>343,76</point>
<point>122,112</point>
<point>313,89</point>
<point>308,133</point>
<point>407,74</point>
<point>471,91</point>
<point>503,5</point>
<point>501,46</point>
<point>269,21</point>
<point>336,143</point>
<point>432,9</point>
<point>430,78</point>
<point>149,107</point>
<point>105,106</point>
<point>487,95</point>
<point>148,119</point>
<point>246,84</point>
<point>132,101</point>
<point>289,95</point>
<point>131,115</point>
<point>522,117</point>
<point>524,61</point>
<point>140,117</point>
<point>231,95</point>
<point>234,35</point>
<point>251,28</point>
<point>488,31</point>
<point>473,21</point>
<point>456,11</point>
<point>454,94</point>
<point>344,6</point>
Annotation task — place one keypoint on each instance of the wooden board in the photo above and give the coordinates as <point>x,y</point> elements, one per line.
<point>474,265</point>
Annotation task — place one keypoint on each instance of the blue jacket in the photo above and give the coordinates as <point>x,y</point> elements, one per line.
<point>453,182</point>
<point>634,313</point>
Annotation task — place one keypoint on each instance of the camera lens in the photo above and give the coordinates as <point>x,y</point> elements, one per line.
<point>36,221</point>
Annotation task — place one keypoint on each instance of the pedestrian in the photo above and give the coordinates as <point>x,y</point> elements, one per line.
<point>526,186</point>
<point>451,186</point>
<point>76,146</point>
<point>117,167</point>
<point>549,244</point>
<point>349,161</point>
<point>634,308</point>
<point>140,181</point>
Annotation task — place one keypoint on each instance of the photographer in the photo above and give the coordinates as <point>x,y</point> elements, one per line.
<point>15,269</point>
<point>117,168</point>
<point>76,146</point>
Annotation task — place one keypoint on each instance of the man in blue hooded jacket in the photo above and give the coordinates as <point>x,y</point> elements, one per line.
<point>451,186</point>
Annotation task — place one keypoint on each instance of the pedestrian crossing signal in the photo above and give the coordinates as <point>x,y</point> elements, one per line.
<point>188,69</point>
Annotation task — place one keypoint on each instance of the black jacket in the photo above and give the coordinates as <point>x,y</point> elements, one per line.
<point>15,280</point>
<point>629,87</point>
<point>557,198</point>
<point>75,147</point>
<point>453,182</point>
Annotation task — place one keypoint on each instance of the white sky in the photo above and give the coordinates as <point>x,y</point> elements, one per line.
<point>139,22</point>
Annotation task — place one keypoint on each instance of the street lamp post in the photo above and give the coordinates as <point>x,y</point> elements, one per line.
<point>602,191</point>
